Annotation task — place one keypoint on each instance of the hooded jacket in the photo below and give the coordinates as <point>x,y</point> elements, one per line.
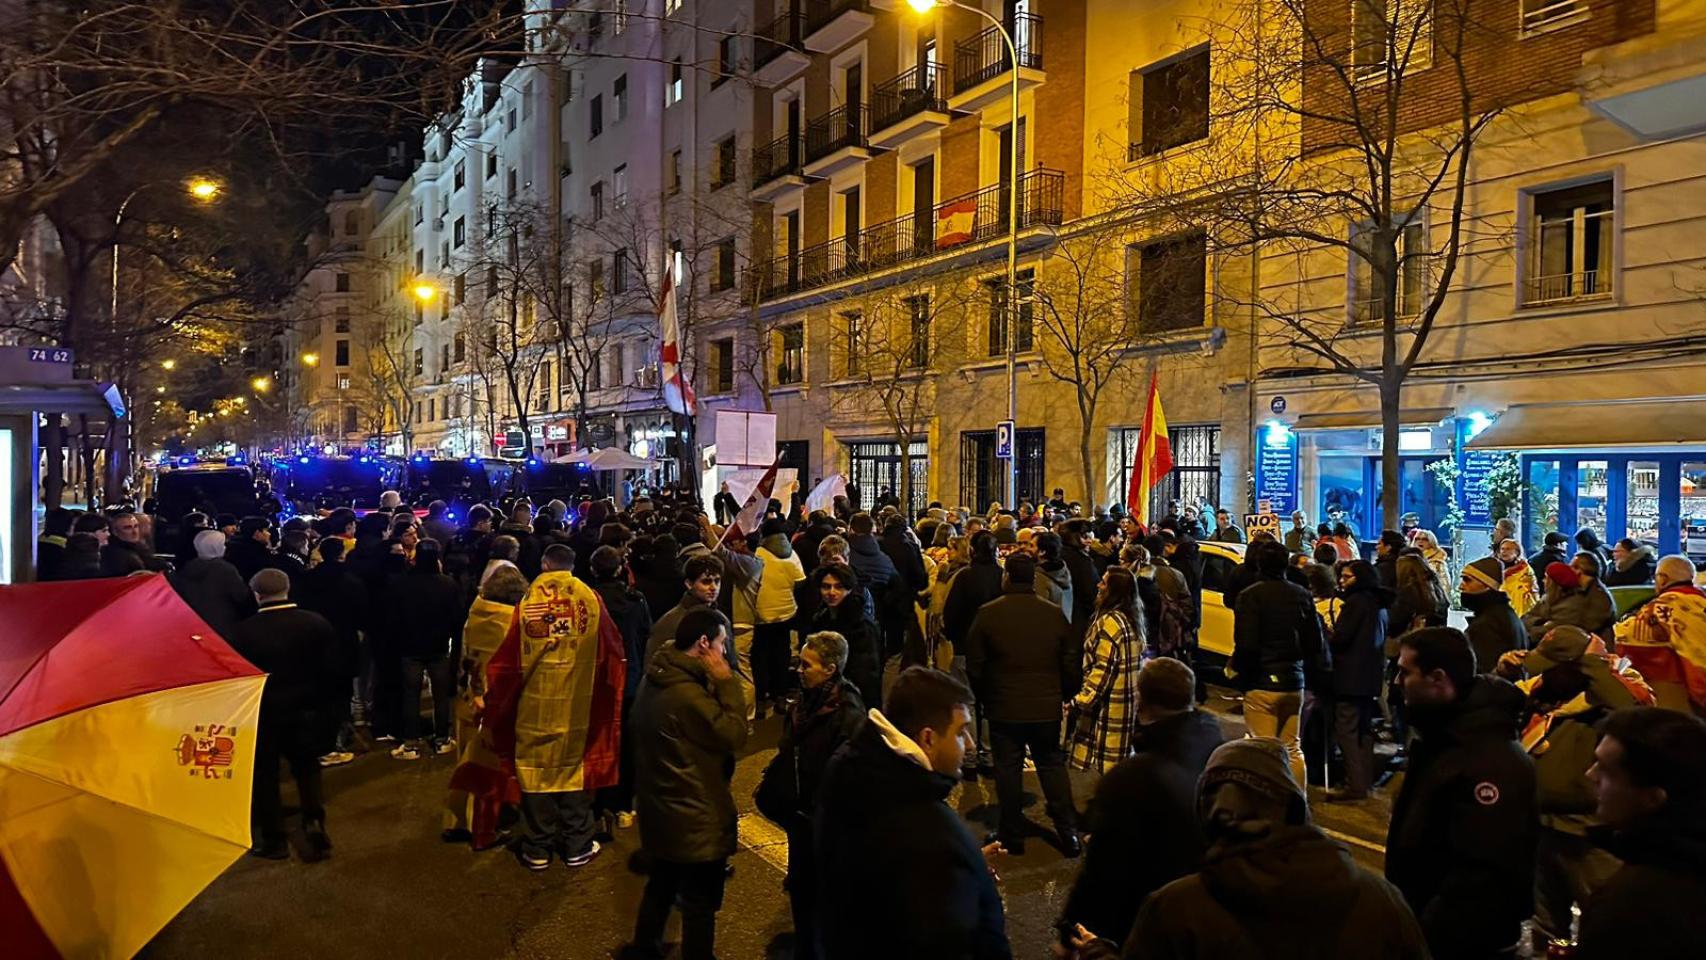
<point>1054,584</point>
<point>1461,844</point>
<point>1293,894</point>
<point>1494,628</point>
<point>1589,606</point>
<point>1654,908</point>
<point>900,874</point>
<point>1633,570</point>
<point>215,591</point>
<point>782,570</point>
<point>687,729</point>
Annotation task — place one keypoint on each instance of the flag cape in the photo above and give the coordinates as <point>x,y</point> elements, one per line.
<point>1154,455</point>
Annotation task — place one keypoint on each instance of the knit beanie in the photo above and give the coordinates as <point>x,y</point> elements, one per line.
<point>1259,763</point>
<point>1486,571</point>
<point>209,544</point>
<point>1563,575</point>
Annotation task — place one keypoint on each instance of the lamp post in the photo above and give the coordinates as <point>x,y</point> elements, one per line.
<point>1010,315</point>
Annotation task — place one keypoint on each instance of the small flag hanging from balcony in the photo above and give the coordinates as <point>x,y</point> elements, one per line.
<point>954,222</point>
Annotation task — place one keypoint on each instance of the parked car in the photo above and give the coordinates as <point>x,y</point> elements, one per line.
<point>1218,562</point>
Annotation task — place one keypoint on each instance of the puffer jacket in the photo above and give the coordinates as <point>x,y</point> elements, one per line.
<point>1633,570</point>
<point>1359,640</point>
<point>1494,628</point>
<point>687,729</point>
<point>1654,908</point>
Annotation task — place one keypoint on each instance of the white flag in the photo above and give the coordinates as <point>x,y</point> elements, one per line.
<point>823,495</point>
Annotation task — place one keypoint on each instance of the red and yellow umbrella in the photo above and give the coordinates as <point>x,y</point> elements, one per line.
<point>127,746</point>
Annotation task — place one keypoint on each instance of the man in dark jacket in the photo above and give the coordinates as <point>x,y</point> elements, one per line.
<point>1272,883</point>
<point>878,574</point>
<point>1143,820</point>
<point>296,648</point>
<point>126,551</point>
<point>689,721</point>
<point>1024,662</point>
<point>50,546</point>
<point>900,873</point>
<point>1386,557</point>
<point>910,581</point>
<point>1358,644</point>
<point>1277,651</point>
<point>634,622</point>
<point>250,551</point>
<point>334,592</point>
<point>1083,569</point>
<point>1494,628</point>
<point>1650,776</point>
<point>437,524</point>
<point>1555,550</point>
<point>1461,845</point>
<point>211,585</point>
<point>976,585</point>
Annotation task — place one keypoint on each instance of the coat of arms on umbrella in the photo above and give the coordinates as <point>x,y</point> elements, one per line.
<point>208,750</point>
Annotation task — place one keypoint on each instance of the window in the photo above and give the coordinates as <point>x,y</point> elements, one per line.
<point>618,373</point>
<point>1540,14</point>
<point>671,7</point>
<point>619,97</point>
<point>724,277</point>
<point>1570,242</point>
<point>352,223</point>
<point>723,365</point>
<point>998,303</point>
<point>352,421</point>
<point>1169,104</point>
<point>527,100</point>
<point>459,289</point>
<point>544,386</point>
<point>1171,277</point>
<point>444,254</point>
<point>597,211</point>
<point>595,278</point>
<point>1368,284</point>
<point>492,282</point>
<point>728,59</point>
<point>342,353</point>
<point>672,176</point>
<point>459,232</point>
<point>853,323</point>
<point>594,373</point>
<point>420,214</point>
<point>509,120</point>
<point>620,17</point>
<point>459,348</point>
<point>619,272</point>
<point>1390,37</point>
<point>420,261</point>
<point>918,342</point>
<point>340,320</point>
<point>619,185</point>
<point>672,92</point>
<point>791,368</point>
<point>725,169</point>
<point>443,358</point>
<point>509,187</point>
<point>491,164</point>
<point>460,178</point>
<point>340,283</point>
<point>596,115</point>
<point>1196,465</point>
<point>432,409</point>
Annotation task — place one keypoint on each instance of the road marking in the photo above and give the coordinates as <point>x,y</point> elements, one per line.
<point>763,838</point>
<point>1379,848</point>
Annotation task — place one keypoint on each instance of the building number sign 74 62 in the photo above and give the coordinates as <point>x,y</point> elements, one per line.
<point>50,355</point>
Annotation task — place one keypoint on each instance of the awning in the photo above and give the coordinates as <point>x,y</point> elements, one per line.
<point>75,397</point>
<point>1666,421</point>
<point>1355,419</point>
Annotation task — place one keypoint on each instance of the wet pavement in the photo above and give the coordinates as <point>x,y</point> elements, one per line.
<point>393,890</point>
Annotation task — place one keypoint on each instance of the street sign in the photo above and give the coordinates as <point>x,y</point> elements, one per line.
<point>1255,523</point>
<point>1004,440</point>
<point>1264,506</point>
<point>1277,405</point>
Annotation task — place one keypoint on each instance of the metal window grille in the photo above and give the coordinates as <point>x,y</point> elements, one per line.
<point>875,464</point>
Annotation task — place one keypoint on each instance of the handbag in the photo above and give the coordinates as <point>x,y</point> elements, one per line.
<point>777,795</point>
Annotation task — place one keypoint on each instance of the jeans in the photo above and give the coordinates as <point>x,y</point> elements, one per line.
<point>556,823</point>
<point>1353,731</point>
<point>438,670</point>
<point>1009,741</point>
<point>698,889</point>
<point>1276,713</point>
<point>291,737</point>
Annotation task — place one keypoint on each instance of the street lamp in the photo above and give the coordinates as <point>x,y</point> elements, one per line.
<point>204,189</point>
<point>261,384</point>
<point>424,291</point>
<point>310,359</point>
<point>168,364</point>
<point>1011,318</point>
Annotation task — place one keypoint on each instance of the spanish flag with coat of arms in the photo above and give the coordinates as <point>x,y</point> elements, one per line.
<point>1154,458</point>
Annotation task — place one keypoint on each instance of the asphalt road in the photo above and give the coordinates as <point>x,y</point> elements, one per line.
<point>392,890</point>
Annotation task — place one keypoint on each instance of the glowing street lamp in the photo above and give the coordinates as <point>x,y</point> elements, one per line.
<point>310,359</point>
<point>168,364</point>
<point>261,384</point>
<point>424,291</point>
<point>204,189</point>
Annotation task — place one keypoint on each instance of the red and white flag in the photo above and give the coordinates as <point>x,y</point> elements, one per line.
<point>677,392</point>
<point>752,512</point>
<point>955,222</point>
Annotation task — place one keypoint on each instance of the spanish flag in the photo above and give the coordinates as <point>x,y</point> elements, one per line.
<point>1154,455</point>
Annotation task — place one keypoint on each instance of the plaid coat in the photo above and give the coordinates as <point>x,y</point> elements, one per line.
<point>1104,711</point>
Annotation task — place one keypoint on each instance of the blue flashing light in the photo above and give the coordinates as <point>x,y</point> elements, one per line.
<point>365,459</point>
<point>301,459</point>
<point>420,458</point>
<point>534,461</point>
<point>185,461</point>
<point>473,459</point>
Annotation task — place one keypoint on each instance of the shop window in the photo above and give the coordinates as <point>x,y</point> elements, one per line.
<point>1641,501</point>
<point>1540,512</point>
<point>1592,478</point>
<point>1570,243</point>
<point>1693,512</point>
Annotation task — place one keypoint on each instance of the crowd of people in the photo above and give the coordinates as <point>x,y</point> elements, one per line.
<point>1553,762</point>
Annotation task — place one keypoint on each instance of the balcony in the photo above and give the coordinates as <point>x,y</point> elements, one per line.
<point>962,221</point>
<point>833,24</point>
<point>907,106</point>
<point>778,53</point>
<point>837,140</point>
<point>981,64</point>
<point>776,168</point>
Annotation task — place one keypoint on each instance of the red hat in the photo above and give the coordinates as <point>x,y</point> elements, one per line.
<point>1563,575</point>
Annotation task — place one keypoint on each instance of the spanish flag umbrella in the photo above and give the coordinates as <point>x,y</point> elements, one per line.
<point>127,745</point>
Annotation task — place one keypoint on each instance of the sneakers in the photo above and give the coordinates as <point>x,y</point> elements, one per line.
<point>531,861</point>
<point>625,819</point>
<point>582,859</point>
<point>385,738</point>
<point>445,746</point>
<point>336,758</point>
<point>405,751</point>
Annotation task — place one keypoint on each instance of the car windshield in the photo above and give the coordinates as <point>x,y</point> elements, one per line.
<point>448,479</point>
<point>211,492</point>
<point>343,479</point>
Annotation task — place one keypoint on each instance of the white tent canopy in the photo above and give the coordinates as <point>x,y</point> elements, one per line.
<point>609,458</point>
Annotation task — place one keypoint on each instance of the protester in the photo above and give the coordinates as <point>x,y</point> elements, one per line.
<point>1175,618</point>
<point>1143,829</point>
<point>1571,600</point>
<point>50,546</point>
<point>1421,600</point>
<point>1277,651</point>
<point>480,787</point>
<point>1054,580</point>
<point>1632,564</point>
<point>1649,774</point>
<point>296,649</point>
<point>1358,643</point>
<point>899,873</point>
<point>1461,843</point>
<point>1225,531</point>
<point>82,556</point>
<point>772,638</point>
<point>633,620</point>
<point>212,587</point>
<point>1084,576</point>
<point>437,524</point>
<point>702,583</point>
<point>912,579</point>
<point>1434,555</point>
<point>332,591</point>
<point>424,615</point>
<point>1023,661</point>
<point>1386,550</point>
<point>840,610</point>
<point>826,716</point>
<point>1272,884</point>
<point>1301,537</point>
<point>1103,718</point>
<point>1553,551</point>
<point>126,551</point>
<point>1665,638</point>
<point>1518,582</point>
<point>1494,628</point>
<point>689,720</point>
<point>1587,541</point>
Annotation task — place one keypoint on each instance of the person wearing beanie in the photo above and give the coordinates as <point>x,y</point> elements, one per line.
<point>1494,628</point>
<point>211,585</point>
<point>1272,883</point>
<point>1554,549</point>
<point>1024,661</point>
<point>1519,582</point>
<point>1461,844</point>
<point>1571,599</point>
